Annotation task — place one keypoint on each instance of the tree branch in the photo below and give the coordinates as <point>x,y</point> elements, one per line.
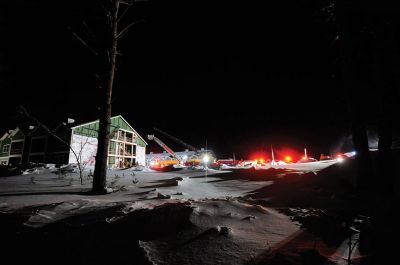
<point>83,42</point>
<point>124,12</point>
<point>89,31</point>
<point>21,109</point>
<point>126,29</point>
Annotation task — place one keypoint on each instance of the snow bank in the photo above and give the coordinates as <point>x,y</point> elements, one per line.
<point>53,213</point>
<point>224,232</point>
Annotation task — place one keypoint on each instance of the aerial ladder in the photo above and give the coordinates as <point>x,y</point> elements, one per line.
<point>164,163</point>
<point>199,154</point>
<point>188,146</point>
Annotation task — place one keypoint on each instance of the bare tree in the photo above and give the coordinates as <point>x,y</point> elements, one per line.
<point>100,171</point>
<point>78,155</point>
<point>114,15</point>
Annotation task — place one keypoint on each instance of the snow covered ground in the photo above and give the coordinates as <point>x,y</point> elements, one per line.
<point>225,232</point>
<point>48,186</point>
<point>226,226</point>
<point>42,186</point>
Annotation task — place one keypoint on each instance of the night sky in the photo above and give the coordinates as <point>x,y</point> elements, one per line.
<point>240,75</point>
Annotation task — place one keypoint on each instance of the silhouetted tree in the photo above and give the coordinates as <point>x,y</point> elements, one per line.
<point>373,25</point>
<point>350,25</point>
<point>100,171</point>
<point>77,153</point>
<point>108,52</point>
<point>385,66</point>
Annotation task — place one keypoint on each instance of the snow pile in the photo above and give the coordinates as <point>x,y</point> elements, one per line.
<point>62,212</point>
<point>224,232</point>
<point>53,213</point>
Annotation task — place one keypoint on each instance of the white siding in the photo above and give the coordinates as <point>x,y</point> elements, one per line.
<point>141,155</point>
<point>88,146</point>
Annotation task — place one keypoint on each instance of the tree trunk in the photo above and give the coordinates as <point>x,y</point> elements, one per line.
<point>350,22</point>
<point>100,171</point>
<point>385,58</point>
<point>384,50</point>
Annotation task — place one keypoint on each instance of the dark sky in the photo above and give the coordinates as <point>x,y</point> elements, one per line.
<point>240,74</point>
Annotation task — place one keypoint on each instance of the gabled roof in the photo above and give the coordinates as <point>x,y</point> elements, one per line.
<point>14,132</point>
<point>131,128</point>
<point>118,116</point>
<point>11,133</point>
<point>4,136</point>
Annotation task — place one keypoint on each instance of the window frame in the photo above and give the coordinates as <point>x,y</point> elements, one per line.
<point>4,147</point>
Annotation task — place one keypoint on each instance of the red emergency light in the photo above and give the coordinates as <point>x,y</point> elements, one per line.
<point>288,159</point>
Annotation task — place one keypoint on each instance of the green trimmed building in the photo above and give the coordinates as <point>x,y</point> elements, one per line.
<point>126,147</point>
<point>11,147</point>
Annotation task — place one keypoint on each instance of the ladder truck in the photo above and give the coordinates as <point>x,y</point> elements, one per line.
<point>196,159</point>
<point>164,164</point>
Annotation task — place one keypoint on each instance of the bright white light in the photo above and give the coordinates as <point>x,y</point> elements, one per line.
<point>340,159</point>
<point>152,163</point>
<point>69,120</point>
<point>206,159</point>
<point>185,157</point>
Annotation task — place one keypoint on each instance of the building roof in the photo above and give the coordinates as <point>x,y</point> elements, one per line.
<point>4,136</point>
<point>118,116</point>
<point>12,133</point>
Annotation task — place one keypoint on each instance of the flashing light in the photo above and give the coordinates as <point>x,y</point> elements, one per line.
<point>340,159</point>
<point>288,158</point>
<point>262,160</point>
<point>304,158</point>
<point>185,157</point>
<point>206,159</point>
<point>256,161</point>
<point>154,163</point>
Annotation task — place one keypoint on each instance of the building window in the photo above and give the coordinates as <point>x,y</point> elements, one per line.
<point>129,137</point>
<point>121,135</point>
<point>16,148</point>
<point>6,148</point>
<point>111,148</point>
<point>111,161</point>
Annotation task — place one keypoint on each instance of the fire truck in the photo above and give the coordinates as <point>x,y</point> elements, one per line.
<point>196,158</point>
